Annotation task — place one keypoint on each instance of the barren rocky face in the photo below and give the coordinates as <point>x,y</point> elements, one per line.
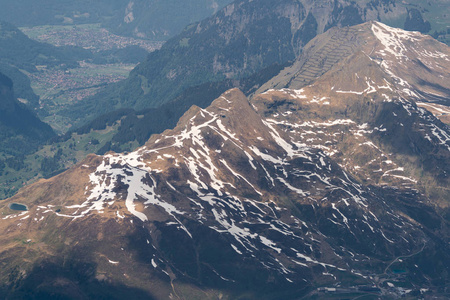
<point>334,184</point>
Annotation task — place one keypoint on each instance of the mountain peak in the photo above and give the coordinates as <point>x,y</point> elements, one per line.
<point>392,38</point>
<point>235,110</point>
<point>396,52</point>
<point>231,114</point>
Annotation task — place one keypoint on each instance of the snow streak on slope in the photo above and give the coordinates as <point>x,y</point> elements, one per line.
<point>418,63</point>
<point>392,39</point>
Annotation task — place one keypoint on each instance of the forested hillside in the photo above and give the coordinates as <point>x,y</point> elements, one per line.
<point>18,50</point>
<point>21,131</point>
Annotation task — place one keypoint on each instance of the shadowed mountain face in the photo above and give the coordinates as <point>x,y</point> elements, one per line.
<point>335,184</point>
<point>7,103</point>
<point>21,130</point>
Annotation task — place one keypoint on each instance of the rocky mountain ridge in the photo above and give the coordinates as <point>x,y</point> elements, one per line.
<point>274,205</point>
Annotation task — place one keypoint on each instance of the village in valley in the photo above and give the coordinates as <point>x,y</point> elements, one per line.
<point>88,36</point>
<point>58,87</point>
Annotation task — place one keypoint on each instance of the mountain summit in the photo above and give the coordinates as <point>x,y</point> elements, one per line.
<point>397,52</point>
<point>299,192</point>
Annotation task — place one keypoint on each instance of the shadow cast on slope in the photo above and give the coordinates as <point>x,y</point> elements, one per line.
<point>73,278</point>
<point>208,262</point>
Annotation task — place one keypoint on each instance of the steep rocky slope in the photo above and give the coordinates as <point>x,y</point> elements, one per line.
<point>402,72</point>
<point>160,20</point>
<point>396,51</point>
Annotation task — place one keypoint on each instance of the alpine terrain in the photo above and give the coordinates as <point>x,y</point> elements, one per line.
<point>330,181</point>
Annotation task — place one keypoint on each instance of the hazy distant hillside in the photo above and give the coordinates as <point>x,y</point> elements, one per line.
<point>22,85</point>
<point>160,20</point>
<point>152,19</point>
<point>18,50</point>
<point>20,55</point>
<point>45,12</point>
